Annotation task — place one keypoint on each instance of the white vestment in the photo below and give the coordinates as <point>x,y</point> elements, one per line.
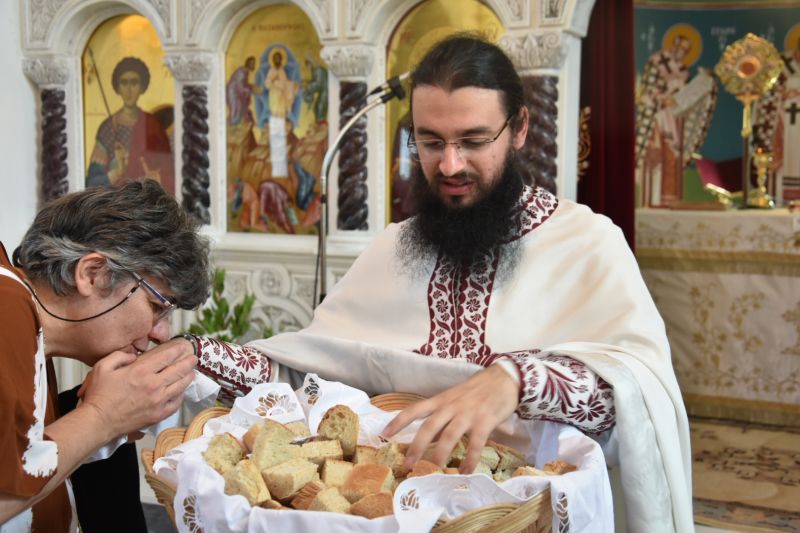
<point>576,290</point>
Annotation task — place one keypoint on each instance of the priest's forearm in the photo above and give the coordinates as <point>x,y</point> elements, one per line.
<point>563,389</point>
<point>237,369</point>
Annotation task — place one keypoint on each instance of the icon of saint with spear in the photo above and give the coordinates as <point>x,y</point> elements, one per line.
<point>131,144</point>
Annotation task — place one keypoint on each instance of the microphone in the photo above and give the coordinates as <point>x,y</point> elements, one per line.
<point>391,88</point>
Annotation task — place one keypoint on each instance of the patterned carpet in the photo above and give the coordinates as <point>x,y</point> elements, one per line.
<point>746,477</point>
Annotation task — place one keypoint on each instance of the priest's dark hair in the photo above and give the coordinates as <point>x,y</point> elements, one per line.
<point>467,60</point>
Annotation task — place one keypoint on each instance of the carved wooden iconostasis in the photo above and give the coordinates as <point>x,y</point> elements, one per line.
<point>250,93</point>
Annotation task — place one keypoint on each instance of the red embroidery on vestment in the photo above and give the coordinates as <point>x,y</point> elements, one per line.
<point>459,295</point>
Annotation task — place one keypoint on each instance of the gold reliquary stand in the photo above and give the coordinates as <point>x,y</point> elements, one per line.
<point>748,68</point>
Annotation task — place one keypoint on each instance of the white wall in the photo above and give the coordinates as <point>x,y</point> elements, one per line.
<point>18,126</point>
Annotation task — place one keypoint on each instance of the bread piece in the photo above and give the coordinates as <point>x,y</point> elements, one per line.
<point>299,428</point>
<point>528,471</point>
<point>373,505</point>
<point>423,468</point>
<point>285,479</point>
<point>223,452</point>
<point>246,480</point>
<point>267,454</point>
<point>330,500</point>
<point>490,457</point>
<point>451,470</point>
<point>340,423</point>
<point>319,450</point>
<point>501,475</point>
<point>483,469</point>
<point>305,495</point>
<point>365,455</point>
<point>456,455</point>
<point>272,504</point>
<point>558,467</point>
<point>394,455</point>
<point>335,472</point>
<point>367,479</point>
<point>270,432</point>
<point>509,458</point>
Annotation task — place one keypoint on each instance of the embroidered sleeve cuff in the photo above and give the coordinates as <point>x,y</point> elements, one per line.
<point>235,368</point>
<point>562,389</point>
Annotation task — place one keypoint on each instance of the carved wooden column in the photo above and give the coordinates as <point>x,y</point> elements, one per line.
<point>51,74</point>
<point>351,65</point>
<point>193,71</point>
<point>531,54</point>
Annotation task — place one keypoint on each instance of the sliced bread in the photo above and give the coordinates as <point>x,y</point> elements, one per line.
<point>365,455</point>
<point>330,500</point>
<point>306,494</point>
<point>318,451</point>
<point>373,505</point>
<point>394,455</point>
<point>367,479</point>
<point>223,452</point>
<point>245,479</point>
<point>335,472</point>
<point>286,479</point>
<point>340,423</point>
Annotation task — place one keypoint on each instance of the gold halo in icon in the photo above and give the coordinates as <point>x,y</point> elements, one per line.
<point>691,34</point>
<point>792,40</point>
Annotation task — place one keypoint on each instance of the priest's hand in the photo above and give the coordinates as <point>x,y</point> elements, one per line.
<point>474,408</point>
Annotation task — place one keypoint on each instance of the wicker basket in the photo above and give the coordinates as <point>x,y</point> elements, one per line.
<point>534,516</point>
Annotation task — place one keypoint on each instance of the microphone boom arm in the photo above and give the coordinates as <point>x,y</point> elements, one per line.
<point>393,89</point>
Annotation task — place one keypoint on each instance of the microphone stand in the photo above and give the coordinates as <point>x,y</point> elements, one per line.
<point>392,89</point>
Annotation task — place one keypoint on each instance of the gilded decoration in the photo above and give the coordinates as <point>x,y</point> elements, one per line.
<point>584,142</point>
<point>277,123</point>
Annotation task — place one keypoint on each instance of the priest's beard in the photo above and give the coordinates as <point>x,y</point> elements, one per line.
<point>465,234</point>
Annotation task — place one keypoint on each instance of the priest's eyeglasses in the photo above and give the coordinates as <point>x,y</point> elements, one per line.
<point>429,150</point>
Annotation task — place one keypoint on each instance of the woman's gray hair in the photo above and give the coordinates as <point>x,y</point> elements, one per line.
<point>138,226</point>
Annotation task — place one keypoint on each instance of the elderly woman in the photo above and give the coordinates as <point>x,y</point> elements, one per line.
<point>99,273</point>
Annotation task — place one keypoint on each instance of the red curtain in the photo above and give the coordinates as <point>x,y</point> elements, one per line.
<point>607,88</point>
